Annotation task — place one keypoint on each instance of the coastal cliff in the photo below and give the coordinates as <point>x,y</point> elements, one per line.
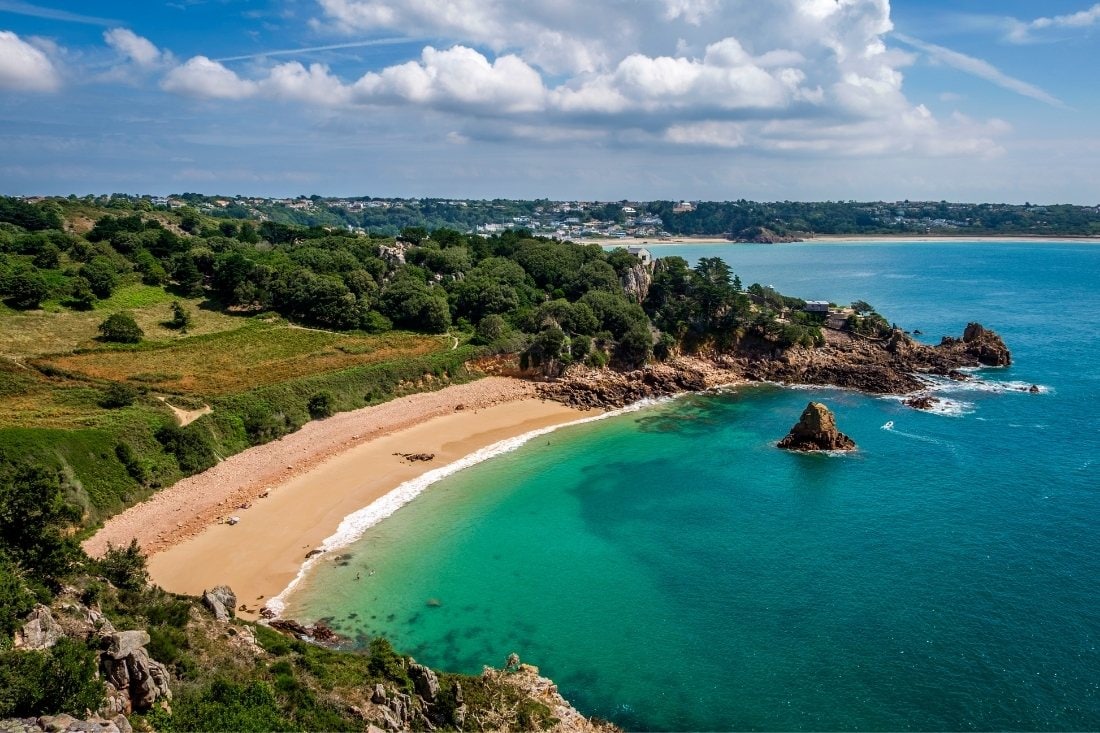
<point>891,365</point>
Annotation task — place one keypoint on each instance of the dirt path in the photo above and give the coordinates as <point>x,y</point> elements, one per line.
<point>186,417</point>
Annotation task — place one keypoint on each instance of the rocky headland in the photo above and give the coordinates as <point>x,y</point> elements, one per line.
<point>890,365</point>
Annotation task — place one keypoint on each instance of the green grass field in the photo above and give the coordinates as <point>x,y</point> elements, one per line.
<point>258,373</point>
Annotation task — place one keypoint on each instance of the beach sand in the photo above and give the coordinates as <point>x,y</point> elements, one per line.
<point>299,488</point>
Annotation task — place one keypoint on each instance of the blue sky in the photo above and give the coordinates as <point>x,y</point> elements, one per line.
<point>639,99</point>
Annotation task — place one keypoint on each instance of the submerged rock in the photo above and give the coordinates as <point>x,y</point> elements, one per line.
<point>816,431</point>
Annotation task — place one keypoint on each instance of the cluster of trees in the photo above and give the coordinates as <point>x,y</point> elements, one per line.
<point>558,302</point>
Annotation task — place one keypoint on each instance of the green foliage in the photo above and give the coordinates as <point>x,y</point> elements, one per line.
<point>190,445</point>
<point>181,317</point>
<point>121,328</point>
<point>101,275</point>
<point>60,679</point>
<point>224,705</point>
<point>124,566</point>
<point>320,405</point>
<point>16,600</point>
<point>81,296</point>
<point>132,462</point>
<point>25,289</point>
<point>384,661</point>
<point>34,518</point>
<point>118,394</point>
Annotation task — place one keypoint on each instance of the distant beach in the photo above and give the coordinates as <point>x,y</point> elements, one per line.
<point>298,489</point>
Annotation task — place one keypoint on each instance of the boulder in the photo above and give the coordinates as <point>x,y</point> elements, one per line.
<point>221,601</point>
<point>40,631</point>
<point>816,431</point>
<point>921,402</point>
<point>425,680</point>
<point>378,697</point>
<point>122,644</point>
<point>636,282</point>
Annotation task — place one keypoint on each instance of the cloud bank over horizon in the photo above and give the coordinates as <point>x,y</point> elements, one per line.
<point>788,80</point>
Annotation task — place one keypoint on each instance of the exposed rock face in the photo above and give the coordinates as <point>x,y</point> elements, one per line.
<point>636,282</point>
<point>426,682</point>
<point>40,631</point>
<point>815,431</point>
<point>985,346</point>
<point>221,601</point>
<point>527,680</point>
<point>66,724</point>
<point>134,680</point>
<point>885,366</point>
<point>586,388</point>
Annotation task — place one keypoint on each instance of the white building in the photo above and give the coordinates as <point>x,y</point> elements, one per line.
<point>641,253</point>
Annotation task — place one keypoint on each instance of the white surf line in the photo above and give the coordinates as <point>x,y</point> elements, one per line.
<point>356,524</point>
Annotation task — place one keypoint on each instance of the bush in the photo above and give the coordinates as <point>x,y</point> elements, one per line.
<point>191,447</point>
<point>15,600</point>
<point>121,328</point>
<point>224,705</point>
<point>118,394</point>
<point>60,679</point>
<point>181,317</point>
<point>81,296</point>
<point>320,405</point>
<point>101,276</point>
<point>132,463</point>
<point>124,567</point>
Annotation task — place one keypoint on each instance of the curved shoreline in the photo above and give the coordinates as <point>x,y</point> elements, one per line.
<point>356,524</point>
<point>299,488</point>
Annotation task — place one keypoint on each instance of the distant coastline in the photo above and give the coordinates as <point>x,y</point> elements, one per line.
<point>857,239</point>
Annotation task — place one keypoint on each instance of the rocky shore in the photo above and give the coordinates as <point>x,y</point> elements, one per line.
<point>891,365</point>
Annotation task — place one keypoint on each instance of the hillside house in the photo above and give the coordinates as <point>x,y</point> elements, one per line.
<point>641,253</point>
<point>816,306</point>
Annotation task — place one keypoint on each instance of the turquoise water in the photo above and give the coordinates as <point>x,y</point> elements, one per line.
<point>672,570</point>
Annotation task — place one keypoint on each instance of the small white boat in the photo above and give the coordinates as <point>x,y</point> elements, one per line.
<point>889,425</point>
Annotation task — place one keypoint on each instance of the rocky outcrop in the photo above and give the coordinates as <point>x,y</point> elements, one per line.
<point>585,387</point>
<point>221,601</point>
<point>40,631</point>
<point>636,282</point>
<point>762,235</point>
<point>527,680</point>
<point>66,724</point>
<point>425,681</point>
<point>984,346</point>
<point>880,366</point>
<point>816,431</point>
<point>134,680</point>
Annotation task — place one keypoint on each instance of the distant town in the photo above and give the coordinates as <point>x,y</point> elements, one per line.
<point>580,220</point>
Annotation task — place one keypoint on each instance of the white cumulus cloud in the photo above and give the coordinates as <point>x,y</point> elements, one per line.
<point>140,50</point>
<point>24,67</point>
<point>201,77</point>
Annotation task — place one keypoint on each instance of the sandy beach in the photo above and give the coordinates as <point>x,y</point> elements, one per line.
<point>299,488</point>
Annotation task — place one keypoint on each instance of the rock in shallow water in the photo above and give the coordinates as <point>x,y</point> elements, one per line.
<point>816,431</point>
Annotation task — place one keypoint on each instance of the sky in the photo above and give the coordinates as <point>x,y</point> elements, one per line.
<point>563,99</point>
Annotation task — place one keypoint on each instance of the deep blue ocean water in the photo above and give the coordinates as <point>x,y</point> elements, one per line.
<point>672,570</point>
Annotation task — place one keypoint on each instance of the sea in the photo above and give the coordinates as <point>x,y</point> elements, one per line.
<point>671,569</point>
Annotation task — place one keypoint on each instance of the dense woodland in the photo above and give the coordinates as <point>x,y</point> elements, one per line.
<point>77,446</point>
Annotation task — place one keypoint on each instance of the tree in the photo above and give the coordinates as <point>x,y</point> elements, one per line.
<point>26,289</point>
<point>121,328</point>
<point>101,276</point>
<point>125,566</point>
<point>34,519</point>
<point>181,317</point>
<point>81,296</point>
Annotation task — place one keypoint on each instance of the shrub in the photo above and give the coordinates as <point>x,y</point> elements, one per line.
<point>124,566</point>
<point>81,296</point>
<point>15,600</point>
<point>132,463</point>
<point>191,447</point>
<point>118,394</point>
<point>60,679</point>
<point>121,328</point>
<point>320,405</point>
<point>181,317</point>
<point>101,276</point>
<point>224,705</point>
